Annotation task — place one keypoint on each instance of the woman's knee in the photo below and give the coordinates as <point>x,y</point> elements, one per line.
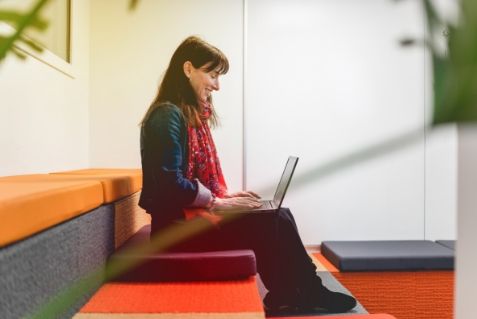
<point>286,216</point>
<point>285,213</point>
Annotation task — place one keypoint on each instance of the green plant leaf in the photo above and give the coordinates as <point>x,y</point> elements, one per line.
<point>12,16</point>
<point>31,17</point>
<point>433,19</point>
<point>19,54</point>
<point>31,43</point>
<point>455,76</point>
<point>133,4</point>
<point>16,17</point>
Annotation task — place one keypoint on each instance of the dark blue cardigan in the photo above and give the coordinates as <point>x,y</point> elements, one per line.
<point>164,154</point>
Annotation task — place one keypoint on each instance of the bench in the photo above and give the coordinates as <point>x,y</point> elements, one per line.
<point>46,239</point>
<point>56,228</point>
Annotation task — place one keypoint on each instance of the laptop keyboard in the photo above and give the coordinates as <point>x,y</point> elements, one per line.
<point>266,204</point>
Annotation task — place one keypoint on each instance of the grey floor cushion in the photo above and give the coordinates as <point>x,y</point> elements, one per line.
<point>388,255</point>
<point>447,243</point>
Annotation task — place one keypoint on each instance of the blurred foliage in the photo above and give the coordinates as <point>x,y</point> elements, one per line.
<point>22,21</point>
<point>455,74</point>
<point>133,4</point>
<point>454,69</point>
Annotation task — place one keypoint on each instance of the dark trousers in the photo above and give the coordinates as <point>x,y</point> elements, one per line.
<point>282,261</point>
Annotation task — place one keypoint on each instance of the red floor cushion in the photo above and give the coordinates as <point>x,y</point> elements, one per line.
<point>179,266</point>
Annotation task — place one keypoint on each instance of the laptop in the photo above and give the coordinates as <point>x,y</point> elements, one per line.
<point>274,204</point>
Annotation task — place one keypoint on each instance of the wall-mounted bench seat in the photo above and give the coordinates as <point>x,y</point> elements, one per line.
<point>117,183</point>
<point>54,229</point>
<point>30,204</point>
<point>121,187</point>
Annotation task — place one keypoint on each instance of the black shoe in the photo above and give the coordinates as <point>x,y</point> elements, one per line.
<point>276,303</point>
<point>331,301</point>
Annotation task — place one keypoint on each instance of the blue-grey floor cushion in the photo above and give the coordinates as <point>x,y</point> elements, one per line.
<point>388,255</point>
<point>447,243</point>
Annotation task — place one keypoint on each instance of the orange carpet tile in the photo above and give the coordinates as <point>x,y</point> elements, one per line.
<point>240,299</point>
<point>404,294</point>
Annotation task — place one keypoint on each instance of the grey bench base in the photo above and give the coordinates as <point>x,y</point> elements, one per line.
<point>36,269</point>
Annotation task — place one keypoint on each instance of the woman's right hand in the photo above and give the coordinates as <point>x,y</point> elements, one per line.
<point>232,203</point>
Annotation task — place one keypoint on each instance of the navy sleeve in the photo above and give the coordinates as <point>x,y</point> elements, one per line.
<point>164,133</point>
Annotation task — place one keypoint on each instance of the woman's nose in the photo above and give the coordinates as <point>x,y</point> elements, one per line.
<point>216,85</point>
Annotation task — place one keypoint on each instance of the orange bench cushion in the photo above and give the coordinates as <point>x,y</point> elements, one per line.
<point>117,182</point>
<point>29,205</point>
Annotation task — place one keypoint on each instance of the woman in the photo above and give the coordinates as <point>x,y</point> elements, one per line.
<point>181,169</point>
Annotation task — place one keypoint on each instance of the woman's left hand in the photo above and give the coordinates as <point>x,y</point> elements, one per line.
<point>243,194</point>
<point>211,218</point>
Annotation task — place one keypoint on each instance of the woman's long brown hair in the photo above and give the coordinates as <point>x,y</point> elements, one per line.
<point>175,87</point>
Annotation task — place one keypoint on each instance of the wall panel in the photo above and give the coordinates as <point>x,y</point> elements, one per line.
<point>325,79</point>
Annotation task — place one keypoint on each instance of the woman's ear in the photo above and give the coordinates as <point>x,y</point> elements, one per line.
<point>187,68</point>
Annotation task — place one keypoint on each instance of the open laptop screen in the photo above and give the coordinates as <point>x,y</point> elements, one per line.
<point>285,180</point>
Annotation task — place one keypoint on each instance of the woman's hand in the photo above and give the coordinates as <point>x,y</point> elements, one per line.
<point>242,194</point>
<point>211,218</point>
<point>232,203</point>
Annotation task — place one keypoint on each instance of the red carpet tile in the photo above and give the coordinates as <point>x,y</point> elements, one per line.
<point>197,297</point>
<point>242,315</point>
<point>404,294</point>
<point>375,316</point>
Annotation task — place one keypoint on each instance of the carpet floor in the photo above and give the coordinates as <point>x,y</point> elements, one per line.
<point>404,294</point>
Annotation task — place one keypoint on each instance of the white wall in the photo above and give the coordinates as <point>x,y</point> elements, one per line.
<point>129,53</point>
<point>44,114</point>
<point>441,183</point>
<point>325,79</point>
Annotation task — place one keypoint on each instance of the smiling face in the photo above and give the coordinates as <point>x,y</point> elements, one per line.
<point>203,82</point>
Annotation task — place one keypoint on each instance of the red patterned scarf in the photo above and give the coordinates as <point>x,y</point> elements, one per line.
<point>203,162</point>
